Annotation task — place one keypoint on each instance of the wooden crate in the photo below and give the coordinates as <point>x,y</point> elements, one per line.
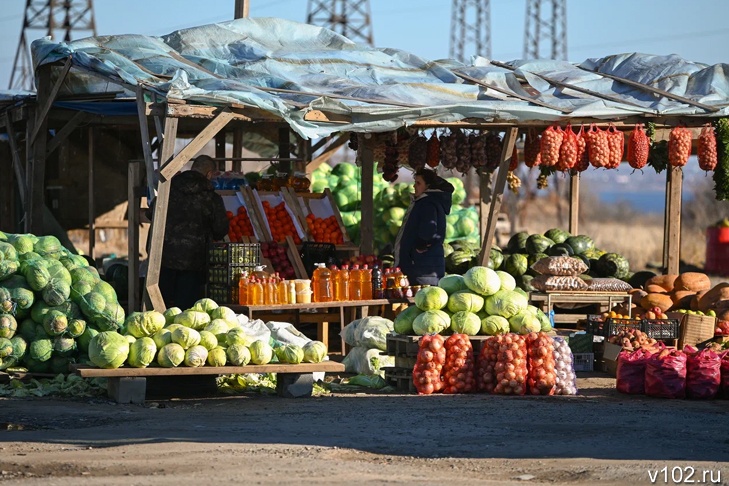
<point>275,198</point>
<point>322,205</point>
<point>256,215</point>
<point>407,346</point>
<point>233,200</point>
<point>401,379</point>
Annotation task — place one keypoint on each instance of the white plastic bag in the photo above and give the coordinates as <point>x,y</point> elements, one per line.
<point>287,333</point>
<point>256,329</point>
<point>372,332</point>
<point>366,361</point>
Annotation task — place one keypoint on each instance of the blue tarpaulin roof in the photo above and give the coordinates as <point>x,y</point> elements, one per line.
<point>288,69</point>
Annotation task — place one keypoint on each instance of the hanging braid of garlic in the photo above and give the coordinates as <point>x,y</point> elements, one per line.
<point>542,182</point>
<point>513,181</point>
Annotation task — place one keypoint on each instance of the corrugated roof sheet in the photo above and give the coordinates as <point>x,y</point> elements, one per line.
<point>288,68</point>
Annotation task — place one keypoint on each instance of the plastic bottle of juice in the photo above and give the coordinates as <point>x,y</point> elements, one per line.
<point>335,282</point>
<point>282,290</point>
<point>322,283</point>
<point>243,289</point>
<point>344,282</point>
<point>377,288</point>
<point>259,272</point>
<point>355,284</point>
<point>397,291</point>
<point>270,294</point>
<point>366,279</point>
<point>255,289</point>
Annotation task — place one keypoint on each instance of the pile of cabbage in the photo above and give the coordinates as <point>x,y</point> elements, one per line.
<point>205,335</point>
<point>480,302</point>
<point>52,303</point>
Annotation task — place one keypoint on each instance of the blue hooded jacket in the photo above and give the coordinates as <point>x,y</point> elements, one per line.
<point>419,246</point>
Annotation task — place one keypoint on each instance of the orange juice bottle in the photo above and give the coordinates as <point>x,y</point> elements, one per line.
<point>343,287</point>
<point>321,281</point>
<point>335,282</point>
<point>255,292</point>
<point>271,295</point>
<point>355,284</point>
<point>283,292</point>
<point>243,288</point>
<point>366,282</point>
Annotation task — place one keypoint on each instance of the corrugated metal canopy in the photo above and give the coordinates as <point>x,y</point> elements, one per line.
<point>288,69</point>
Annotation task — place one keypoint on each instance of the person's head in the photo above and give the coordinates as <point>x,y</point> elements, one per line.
<point>205,165</point>
<point>424,180</point>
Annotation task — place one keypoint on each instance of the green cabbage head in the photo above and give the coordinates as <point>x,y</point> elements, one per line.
<point>186,337</point>
<point>290,353</point>
<point>196,356</point>
<point>144,324</point>
<point>171,355</point>
<point>171,313</point>
<point>217,357</point>
<point>261,352</point>
<point>315,351</point>
<point>162,337</point>
<point>494,325</point>
<point>193,319</point>
<point>108,349</point>
<point>205,305</point>
<point>142,352</point>
<point>238,355</point>
<point>505,303</point>
<point>208,340</point>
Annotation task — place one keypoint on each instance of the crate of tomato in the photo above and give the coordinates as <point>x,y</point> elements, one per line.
<point>322,217</point>
<point>279,218</point>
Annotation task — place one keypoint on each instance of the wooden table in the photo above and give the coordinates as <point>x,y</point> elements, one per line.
<point>321,313</point>
<point>606,301</point>
<point>128,385</point>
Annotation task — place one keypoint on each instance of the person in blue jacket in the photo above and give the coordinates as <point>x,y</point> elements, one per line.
<point>418,248</point>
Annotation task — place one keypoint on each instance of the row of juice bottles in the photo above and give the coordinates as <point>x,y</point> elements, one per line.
<point>326,285</point>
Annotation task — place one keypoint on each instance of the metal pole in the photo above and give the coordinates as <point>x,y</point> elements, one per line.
<point>242,8</point>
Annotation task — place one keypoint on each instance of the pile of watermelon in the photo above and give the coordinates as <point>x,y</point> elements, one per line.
<point>523,250</point>
<point>390,204</point>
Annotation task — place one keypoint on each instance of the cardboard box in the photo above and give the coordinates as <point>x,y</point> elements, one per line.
<point>694,329</point>
<point>610,358</point>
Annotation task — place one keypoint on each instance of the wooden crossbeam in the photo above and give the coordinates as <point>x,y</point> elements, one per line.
<point>48,102</point>
<point>77,119</point>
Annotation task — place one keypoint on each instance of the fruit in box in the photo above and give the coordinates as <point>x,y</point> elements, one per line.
<point>370,260</point>
<point>325,230</point>
<point>276,254</point>
<point>239,224</point>
<point>632,339</point>
<point>280,222</point>
<point>652,313</point>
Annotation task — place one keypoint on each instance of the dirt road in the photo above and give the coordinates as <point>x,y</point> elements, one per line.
<point>598,437</point>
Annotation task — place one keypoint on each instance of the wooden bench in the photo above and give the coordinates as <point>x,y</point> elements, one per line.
<point>605,301</point>
<point>128,385</point>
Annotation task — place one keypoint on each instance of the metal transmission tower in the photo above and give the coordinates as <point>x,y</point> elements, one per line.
<point>470,29</point>
<point>51,17</point>
<point>351,18</point>
<point>546,24</point>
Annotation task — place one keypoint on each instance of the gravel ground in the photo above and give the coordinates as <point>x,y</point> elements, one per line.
<point>598,437</point>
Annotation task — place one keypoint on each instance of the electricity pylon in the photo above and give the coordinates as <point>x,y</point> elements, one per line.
<point>351,18</point>
<point>470,29</point>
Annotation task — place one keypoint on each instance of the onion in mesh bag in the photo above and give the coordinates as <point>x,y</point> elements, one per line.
<point>566,379</point>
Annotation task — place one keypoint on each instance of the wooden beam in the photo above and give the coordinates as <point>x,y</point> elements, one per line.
<point>78,118</point>
<point>498,193</point>
<point>29,125</point>
<point>92,199</point>
<point>37,166</point>
<point>367,162</point>
<point>173,166</point>
<point>672,250</point>
<point>651,89</point>
<point>237,148</point>
<point>574,204</point>
<point>242,7</point>
<point>153,294</point>
<point>331,149</point>
<point>17,162</point>
<point>146,143</point>
<point>134,183</point>
<point>51,97</point>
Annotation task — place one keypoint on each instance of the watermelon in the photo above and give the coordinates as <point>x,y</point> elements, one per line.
<point>516,264</point>
<point>531,260</point>
<point>517,243</point>
<point>612,265</point>
<point>580,243</point>
<point>538,244</point>
<point>560,249</point>
<point>496,258</point>
<point>557,235</point>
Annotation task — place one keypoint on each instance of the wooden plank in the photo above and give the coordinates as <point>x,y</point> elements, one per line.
<point>242,8</point>
<point>50,97</point>
<point>91,198</point>
<point>331,149</point>
<point>134,180</point>
<point>498,193</point>
<point>673,216</point>
<point>153,294</point>
<point>173,166</point>
<point>237,148</point>
<point>295,258</point>
<point>37,165</point>
<point>253,203</point>
<point>71,125</point>
<point>292,201</point>
<point>15,154</point>
<point>325,366</point>
<point>513,94</point>
<point>29,124</point>
<point>367,162</point>
<point>651,89</point>
<point>574,204</point>
<point>146,142</point>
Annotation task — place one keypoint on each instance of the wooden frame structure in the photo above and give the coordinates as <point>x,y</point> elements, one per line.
<point>211,122</point>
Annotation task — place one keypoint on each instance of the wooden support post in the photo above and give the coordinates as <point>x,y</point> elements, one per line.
<point>17,162</point>
<point>49,96</point>
<point>284,149</point>
<point>242,7</point>
<point>498,193</point>
<point>146,144</point>
<point>367,162</point>
<point>237,148</point>
<point>220,149</point>
<point>61,136</point>
<point>485,199</point>
<point>37,160</point>
<point>172,166</point>
<point>92,200</point>
<point>574,203</point>
<point>672,248</point>
<point>29,124</point>
<point>134,183</point>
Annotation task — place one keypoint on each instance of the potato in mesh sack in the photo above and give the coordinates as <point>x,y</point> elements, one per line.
<point>608,285</point>
<point>551,283</point>
<point>560,265</point>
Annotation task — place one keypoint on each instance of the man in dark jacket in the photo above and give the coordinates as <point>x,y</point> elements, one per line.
<point>419,244</point>
<point>195,218</point>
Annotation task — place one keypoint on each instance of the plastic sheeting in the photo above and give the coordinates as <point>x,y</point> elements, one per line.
<point>288,68</point>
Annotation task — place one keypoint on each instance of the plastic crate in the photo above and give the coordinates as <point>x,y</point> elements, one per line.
<point>583,361</point>
<point>661,328</point>
<point>223,294</point>
<point>227,275</point>
<point>313,253</point>
<point>235,254</point>
<point>595,324</point>
<point>580,343</point>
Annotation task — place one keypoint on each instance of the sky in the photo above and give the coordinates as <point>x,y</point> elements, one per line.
<point>693,29</point>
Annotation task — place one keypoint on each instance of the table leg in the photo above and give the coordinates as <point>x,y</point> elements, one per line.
<point>322,332</point>
<point>294,385</point>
